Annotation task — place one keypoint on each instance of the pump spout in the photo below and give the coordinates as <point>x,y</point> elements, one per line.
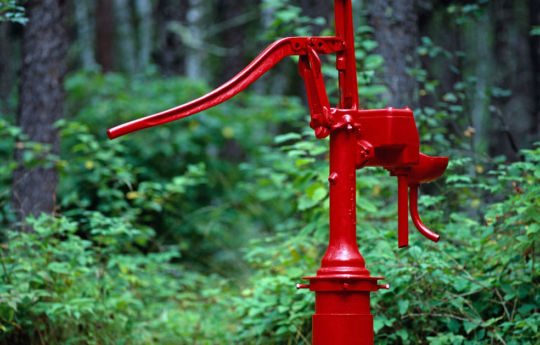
<point>427,170</point>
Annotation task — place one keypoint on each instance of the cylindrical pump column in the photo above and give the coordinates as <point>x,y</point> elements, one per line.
<point>342,256</point>
<point>342,317</point>
<point>343,285</point>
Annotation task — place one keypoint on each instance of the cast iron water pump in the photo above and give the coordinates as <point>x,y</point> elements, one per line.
<point>385,138</point>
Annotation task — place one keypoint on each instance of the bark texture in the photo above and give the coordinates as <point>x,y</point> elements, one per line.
<point>85,33</point>
<point>144,33</point>
<point>171,52</point>
<point>41,103</point>
<point>534,42</point>
<point>395,29</point>
<point>126,35</point>
<point>510,119</point>
<point>234,38</point>
<point>6,75</point>
<point>105,34</point>
<point>194,54</point>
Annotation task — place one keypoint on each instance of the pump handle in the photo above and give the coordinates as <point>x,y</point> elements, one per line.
<point>262,64</point>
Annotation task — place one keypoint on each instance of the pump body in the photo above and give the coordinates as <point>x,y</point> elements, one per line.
<point>386,138</point>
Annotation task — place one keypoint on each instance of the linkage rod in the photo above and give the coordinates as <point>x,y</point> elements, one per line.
<point>346,61</point>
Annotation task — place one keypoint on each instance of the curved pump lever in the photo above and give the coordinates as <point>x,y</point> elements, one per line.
<point>262,64</point>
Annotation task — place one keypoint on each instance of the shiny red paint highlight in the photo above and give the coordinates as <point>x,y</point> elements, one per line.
<point>386,138</point>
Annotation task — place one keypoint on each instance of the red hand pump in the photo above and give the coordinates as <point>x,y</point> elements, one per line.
<point>385,138</point>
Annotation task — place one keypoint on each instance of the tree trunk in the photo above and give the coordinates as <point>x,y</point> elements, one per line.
<point>126,35</point>
<point>170,53</point>
<point>395,25</point>
<point>511,120</point>
<point>41,100</point>
<point>534,46</point>
<point>85,33</point>
<point>145,34</point>
<point>105,35</point>
<point>480,48</point>
<point>194,54</point>
<point>234,38</point>
<point>6,68</point>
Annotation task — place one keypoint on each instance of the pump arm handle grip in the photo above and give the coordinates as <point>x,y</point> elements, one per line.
<point>262,64</point>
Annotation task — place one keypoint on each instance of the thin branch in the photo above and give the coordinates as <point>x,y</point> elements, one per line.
<point>503,303</point>
<point>450,316</point>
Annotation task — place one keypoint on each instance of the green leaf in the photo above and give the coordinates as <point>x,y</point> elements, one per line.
<point>470,326</point>
<point>59,267</point>
<point>280,139</point>
<point>366,204</point>
<point>403,306</point>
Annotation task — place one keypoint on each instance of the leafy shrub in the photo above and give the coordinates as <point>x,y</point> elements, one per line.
<point>59,287</point>
<point>478,286</point>
<point>197,233</point>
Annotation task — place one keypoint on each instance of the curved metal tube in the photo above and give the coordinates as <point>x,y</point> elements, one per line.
<point>413,196</point>
<point>264,62</point>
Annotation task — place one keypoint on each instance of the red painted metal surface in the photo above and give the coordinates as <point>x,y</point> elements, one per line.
<point>386,138</point>
<point>262,64</point>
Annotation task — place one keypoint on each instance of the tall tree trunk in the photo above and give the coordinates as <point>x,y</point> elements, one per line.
<point>534,46</point>
<point>193,54</point>
<point>395,25</point>
<point>234,38</point>
<point>126,35</point>
<point>481,44</point>
<point>85,33</point>
<point>511,115</point>
<point>170,48</point>
<point>145,33</point>
<point>105,35</point>
<point>6,68</point>
<point>435,22</point>
<point>41,103</point>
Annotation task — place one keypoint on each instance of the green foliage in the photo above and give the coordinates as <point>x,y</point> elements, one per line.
<point>60,287</point>
<point>197,232</point>
<point>87,281</point>
<point>7,146</point>
<point>288,18</point>
<point>12,11</point>
<point>138,175</point>
<point>469,11</point>
<point>478,286</point>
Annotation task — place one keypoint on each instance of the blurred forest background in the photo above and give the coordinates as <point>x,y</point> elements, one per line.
<point>196,232</point>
